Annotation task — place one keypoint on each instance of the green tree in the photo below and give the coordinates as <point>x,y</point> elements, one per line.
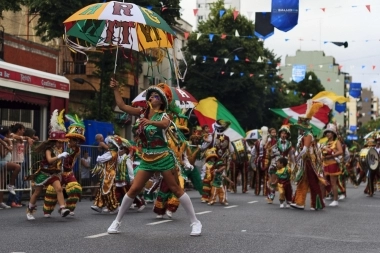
<point>247,97</point>
<point>11,5</point>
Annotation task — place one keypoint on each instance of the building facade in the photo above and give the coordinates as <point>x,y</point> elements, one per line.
<point>203,7</point>
<point>326,69</point>
<point>30,88</point>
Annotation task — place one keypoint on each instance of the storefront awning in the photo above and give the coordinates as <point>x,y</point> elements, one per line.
<point>26,79</point>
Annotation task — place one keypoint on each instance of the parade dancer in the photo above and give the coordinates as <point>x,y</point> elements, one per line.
<point>73,189</point>
<point>207,173</point>
<point>283,183</point>
<point>125,175</point>
<point>261,160</point>
<point>156,155</point>
<point>106,168</point>
<point>282,148</point>
<point>331,151</point>
<point>218,188</point>
<point>221,142</point>
<point>50,169</point>
<point>310,171</point>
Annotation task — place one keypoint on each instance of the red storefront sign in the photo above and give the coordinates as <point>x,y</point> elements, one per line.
<point>33,80</point>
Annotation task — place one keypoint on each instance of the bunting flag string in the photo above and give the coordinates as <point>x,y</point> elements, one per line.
<point>237,34</point>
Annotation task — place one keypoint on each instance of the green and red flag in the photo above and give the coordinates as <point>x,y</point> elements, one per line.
<point>210,109</point>
<point>318,122</point>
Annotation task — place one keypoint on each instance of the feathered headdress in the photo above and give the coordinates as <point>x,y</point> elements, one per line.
<point>311,109</point>
<point>57,127</point>
<point>76,128</point>
<point>285,126</point>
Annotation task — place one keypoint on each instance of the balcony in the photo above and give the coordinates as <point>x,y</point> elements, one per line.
<point>78,68</point>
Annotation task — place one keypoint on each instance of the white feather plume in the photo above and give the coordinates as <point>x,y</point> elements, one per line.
<point>55,124</point>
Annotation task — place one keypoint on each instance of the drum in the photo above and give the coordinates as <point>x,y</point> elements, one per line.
<point>369,159</point>
<point>240,150</point>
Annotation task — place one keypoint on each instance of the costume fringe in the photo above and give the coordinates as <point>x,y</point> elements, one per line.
<point>50,200</point>
<point>74,192</point>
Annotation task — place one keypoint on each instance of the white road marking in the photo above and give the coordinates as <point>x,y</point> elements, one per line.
<point>158,222</point>
<point>231,206</point>
<point>204,212</point>
<point>96,236</point>
<point>251,202</point>
<point>244,231</point>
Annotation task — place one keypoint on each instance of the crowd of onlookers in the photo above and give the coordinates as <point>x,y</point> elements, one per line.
<point>13,141</point>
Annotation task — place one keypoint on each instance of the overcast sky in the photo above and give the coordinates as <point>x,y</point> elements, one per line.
<point>342,20</point>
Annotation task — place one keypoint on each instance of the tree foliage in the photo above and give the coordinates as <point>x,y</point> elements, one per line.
<point>10,5</point>
<point>247,97</point>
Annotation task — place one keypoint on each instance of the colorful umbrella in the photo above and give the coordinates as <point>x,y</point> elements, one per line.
<point>210,109</point>
<point>182,98</point>
<point>117,24</point>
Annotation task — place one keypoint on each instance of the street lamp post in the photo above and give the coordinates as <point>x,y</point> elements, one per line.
<point>82,81</point>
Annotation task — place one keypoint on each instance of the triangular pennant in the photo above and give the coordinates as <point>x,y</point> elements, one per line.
<point>340,67</point>
<point>186,35</point>
<point>328,79</point>
<point>310,77</point>
<point>363,66</point>
<point>259,60</point>
<point>211,36</point>
<point>250,75</point>
<point>241,74</point>
<point>236,13</point>
<point>310,94</point>
<point>287,91</point>
<point>280,90</point>
<point>215,59</point>
<point>236,58</point>
<point>195,12</point>
<point>368,7</point>
<point>204,59</point>
<point>221,13</point>
<point>286,39</point>
<point>261,75</point>
<point>194,57</point>
<point>272,88</point>
<point>149,7</point>
<point>294,93</point>
<point>337,80</point>
<point>303,93</point>
<point>222,72</point>
<point>225,60</point>
<point>223,36</point>
<point>321,66</point>
<point>232,73</point>
<point>373,67</point>
<point>323,9</point>
<point>247,60</point>
<point>199,35</point>
<point>237,33</point>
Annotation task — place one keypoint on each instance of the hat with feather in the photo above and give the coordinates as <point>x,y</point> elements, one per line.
<point>311,109</point>
<point>76,128</point>
<point>285,126</point>
<point>57,127</point>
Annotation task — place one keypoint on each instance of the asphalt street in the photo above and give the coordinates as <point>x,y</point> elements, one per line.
<point>248,224</point>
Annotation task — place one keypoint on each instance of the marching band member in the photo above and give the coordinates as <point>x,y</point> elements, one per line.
<point>310,171</point>
<point>261,160</point>
<point>207,173</point>
<point>372,175</point>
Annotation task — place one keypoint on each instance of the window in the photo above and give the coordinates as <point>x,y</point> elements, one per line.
<point>10,116</point>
